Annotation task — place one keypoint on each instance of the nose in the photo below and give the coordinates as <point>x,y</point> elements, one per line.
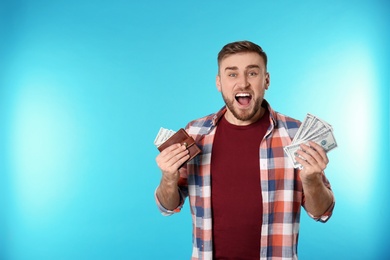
<point>242,81</point>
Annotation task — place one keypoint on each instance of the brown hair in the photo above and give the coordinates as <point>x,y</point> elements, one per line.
<point>241,47</point>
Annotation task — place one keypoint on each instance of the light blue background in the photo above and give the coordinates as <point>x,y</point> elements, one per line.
<point>86,85</point>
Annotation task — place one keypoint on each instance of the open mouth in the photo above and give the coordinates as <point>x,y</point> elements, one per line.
<point>243,98</point>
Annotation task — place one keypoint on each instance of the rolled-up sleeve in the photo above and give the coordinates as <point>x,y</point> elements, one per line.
<point>328,213</point>
<point>324,217</point>
<point>166,212</point>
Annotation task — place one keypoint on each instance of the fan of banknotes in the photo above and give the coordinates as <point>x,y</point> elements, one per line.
<point>312,129</point>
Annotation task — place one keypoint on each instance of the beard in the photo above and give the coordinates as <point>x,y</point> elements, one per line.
<point>243,115</point>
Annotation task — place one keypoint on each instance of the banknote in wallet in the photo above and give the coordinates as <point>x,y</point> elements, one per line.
<point>167,138</point>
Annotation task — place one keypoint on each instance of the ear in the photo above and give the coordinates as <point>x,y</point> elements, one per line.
<point>218,82</point>
<point>267,80</point>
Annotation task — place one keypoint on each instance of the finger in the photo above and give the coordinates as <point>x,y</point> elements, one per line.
<point>320,150</point>
<point>304,157</point>
<point>307,161</point>
<point>169,152</point>
<point>317,152</point>
<point>309,153</point>
<point>303,162</point>
<point>180,162</point>
<point>172,167</point>
<point>312,157</point>
<point>172,155</point>
<point>171,148</point>
<point>177,157</point>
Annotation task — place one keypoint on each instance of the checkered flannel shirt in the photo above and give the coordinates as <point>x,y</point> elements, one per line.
<point>280,185</point>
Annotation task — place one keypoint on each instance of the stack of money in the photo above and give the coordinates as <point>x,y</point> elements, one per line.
<point>312,129</point>
<point>163,135</point>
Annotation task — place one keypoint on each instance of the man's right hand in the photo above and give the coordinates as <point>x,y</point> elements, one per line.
<point>169,161</point>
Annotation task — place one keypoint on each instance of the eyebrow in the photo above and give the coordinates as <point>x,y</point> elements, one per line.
<point>231,68</point>
<point>247,67</point>
<point>253,66</point>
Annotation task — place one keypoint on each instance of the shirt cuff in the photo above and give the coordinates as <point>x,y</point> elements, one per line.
<point>326,216</point>
<point>167,212</point>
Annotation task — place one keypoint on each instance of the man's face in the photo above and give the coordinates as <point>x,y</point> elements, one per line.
<point>242,80</point>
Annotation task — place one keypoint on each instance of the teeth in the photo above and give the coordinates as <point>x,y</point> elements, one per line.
<point>243,95</point>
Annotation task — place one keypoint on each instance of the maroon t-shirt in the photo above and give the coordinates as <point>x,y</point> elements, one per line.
<point>236,191</point>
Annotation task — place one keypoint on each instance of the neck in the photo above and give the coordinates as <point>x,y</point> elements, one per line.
<point>229,116</point>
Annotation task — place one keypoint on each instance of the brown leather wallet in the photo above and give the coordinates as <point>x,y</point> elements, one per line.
<point>183,138</point>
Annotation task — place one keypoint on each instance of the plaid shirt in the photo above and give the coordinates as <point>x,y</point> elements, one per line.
<point>280,185</point>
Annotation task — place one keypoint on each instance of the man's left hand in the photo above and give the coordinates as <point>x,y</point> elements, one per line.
<point>313,159</point>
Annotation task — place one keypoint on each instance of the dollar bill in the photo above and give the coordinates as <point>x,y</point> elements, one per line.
<point>305,125</point>
<point>317,127</point>
<point>312,129</point>
<point>163,135</point>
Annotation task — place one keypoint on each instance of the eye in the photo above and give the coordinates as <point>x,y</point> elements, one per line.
<point>233,75</point>
<point>252,74</point>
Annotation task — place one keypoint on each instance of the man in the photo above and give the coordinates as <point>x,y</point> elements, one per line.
<point>244,193</point>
